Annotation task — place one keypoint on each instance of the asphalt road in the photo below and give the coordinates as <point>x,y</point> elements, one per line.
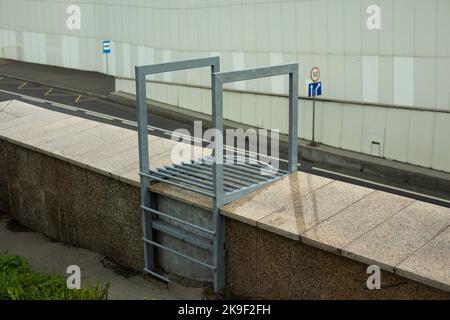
<point>109,112</point>
<point>81,106</point>
<point>93,108</point>
<point>72,79</point>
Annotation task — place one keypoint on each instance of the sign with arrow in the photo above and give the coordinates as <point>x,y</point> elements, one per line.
<point>315,89</point>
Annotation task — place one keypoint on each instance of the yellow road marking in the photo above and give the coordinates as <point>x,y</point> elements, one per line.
<point>49,92</point>
<point>82,98</point>
<point>22,85</point>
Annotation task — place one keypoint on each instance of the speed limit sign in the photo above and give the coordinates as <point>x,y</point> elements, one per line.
<point>315,74</point>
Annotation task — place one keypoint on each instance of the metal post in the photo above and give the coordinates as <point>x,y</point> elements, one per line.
<point>218,202</point>
<point>217,123</point>
<point>293,121</point>
<point>313,141</point>
<point>144,164</point>
<point>107,65</point>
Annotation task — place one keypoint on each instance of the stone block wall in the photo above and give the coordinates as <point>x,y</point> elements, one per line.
<point>71,204</point>
<point>264,265</point>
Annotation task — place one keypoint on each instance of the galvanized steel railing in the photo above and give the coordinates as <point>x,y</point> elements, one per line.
<point>221,181</point>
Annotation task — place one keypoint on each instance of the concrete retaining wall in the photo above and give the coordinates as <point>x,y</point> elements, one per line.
<point>71,204</point>
<point>264,265</point>
<point>90,210</point>
<point>87,209</point>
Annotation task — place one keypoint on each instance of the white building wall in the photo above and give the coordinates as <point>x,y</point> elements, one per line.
<point>405,63</point>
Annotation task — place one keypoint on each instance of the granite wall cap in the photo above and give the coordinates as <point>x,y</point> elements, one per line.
<point>400,236</point>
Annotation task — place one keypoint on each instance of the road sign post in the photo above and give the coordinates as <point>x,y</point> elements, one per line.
<point>314,90</point>
<point>313,142</point>
<point>107,51</point>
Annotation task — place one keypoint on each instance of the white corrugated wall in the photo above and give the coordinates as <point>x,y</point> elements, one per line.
<point>405,63</point>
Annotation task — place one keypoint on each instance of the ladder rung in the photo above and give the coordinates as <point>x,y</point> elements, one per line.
<point>205,176</point>
<point>157,275</point>
<point>181,234</point>
<point>193,183</point>
<point>227,175</point>
<point>165,215</point>
<point>208,194</point>
<point>179,254</point>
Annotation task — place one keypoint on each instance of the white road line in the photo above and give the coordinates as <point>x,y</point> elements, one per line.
<point>134,124</point>
<point>99,115</point>
<point>62,106</point>
<point>130,123</point>
<point>34,99</point>
<point>156,128</point>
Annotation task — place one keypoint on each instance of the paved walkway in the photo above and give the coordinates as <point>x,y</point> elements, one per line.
<point>104,148</point>
<point>401,235</point>
<point>47,256</point>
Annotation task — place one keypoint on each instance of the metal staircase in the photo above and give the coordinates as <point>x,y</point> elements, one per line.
<point>222,181</point>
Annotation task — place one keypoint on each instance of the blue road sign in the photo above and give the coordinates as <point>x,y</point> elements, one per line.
<point>106,46</point>
<point>315,89</point>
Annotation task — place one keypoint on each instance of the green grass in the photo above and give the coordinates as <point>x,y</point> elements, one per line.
<point>19,282</point>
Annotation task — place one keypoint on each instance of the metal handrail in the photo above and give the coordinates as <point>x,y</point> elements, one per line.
<point>219,79</point>
<point>221,187</point>
<point>305,98</point>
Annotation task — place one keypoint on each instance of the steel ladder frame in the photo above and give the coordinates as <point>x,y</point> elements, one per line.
<point>144,165</point>
<point>219,79</point>
<point>219,195</point>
